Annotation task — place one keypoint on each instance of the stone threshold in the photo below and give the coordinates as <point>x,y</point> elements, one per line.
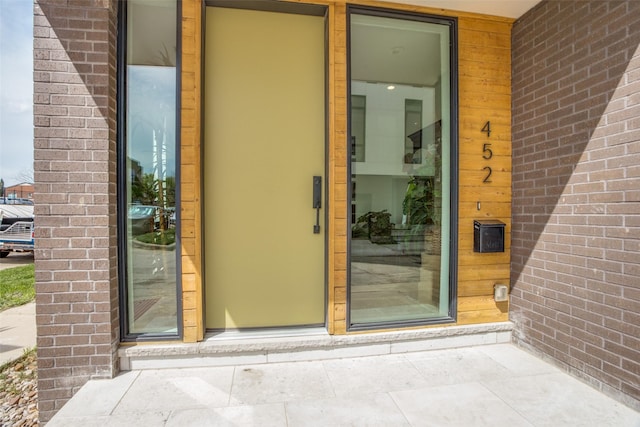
<point>240,348</point>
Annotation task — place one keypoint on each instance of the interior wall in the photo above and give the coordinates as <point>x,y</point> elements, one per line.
<point>385,125</point>
<point>576,198</point>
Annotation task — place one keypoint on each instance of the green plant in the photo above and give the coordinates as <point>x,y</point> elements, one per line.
<point>418,203</point>
<point>163,238</point>
<point>17,286</point>
<point>144,189</point>
<point>377,225</point>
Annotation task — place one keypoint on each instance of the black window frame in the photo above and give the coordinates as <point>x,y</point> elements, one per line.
<point>121,171</point>
<point>452,22</point>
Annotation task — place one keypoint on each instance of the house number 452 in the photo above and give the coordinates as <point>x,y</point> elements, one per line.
<point>487,154</point>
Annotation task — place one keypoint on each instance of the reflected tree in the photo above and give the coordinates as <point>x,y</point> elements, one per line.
<point>144,189</point>
<point>170,189</point>
<point>147,190</point>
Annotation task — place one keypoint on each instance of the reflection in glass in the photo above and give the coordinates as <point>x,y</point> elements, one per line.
<point>399,252</point>
<point>151,167</point>
<point>358,127</point>
<point>413,130</point>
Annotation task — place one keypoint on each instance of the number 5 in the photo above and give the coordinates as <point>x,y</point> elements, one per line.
<point>487,153</point>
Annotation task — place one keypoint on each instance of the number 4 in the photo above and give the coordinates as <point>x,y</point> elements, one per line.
<point>487,128</point>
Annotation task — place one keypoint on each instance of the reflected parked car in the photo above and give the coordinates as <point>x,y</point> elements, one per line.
<point>146,218</point>
<point>143,219</point>
<point>171,217</point>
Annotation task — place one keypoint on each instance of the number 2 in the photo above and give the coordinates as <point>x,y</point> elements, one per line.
<point>486,179</point>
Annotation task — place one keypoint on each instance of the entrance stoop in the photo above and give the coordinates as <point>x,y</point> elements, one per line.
<point>245,348</point>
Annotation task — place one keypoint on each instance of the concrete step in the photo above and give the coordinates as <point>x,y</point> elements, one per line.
<point>275,346</point>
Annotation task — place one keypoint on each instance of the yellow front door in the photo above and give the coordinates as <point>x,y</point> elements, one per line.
<point>264,142</point>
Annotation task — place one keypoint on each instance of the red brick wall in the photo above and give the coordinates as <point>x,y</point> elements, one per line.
<point>75,195</point>
<point>576,189</point>
<point>19,191</point>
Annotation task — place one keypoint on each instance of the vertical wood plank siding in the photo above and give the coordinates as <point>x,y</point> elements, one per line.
<point>484,78</point>
<point>338,153</point>
<point>190,176</point>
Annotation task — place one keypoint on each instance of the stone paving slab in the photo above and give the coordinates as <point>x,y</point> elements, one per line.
<point>492,385</point>
<point>17,331</point>
<point>18,324</point>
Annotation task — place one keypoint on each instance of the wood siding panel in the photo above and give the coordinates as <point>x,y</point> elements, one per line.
<point>338,273</point>
<point>484,61</point>
<point>190,183</point>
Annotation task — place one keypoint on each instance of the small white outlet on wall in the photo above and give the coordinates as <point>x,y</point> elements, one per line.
<point>500,292</point>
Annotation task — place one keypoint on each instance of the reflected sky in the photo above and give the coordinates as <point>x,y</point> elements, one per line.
<point>152,116</point>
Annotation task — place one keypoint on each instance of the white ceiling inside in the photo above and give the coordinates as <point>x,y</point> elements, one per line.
<point>505,8</point>
<point>396,51</point>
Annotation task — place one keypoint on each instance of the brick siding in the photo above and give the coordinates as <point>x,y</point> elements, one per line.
<point>576,190</point>
<point>75,196</point>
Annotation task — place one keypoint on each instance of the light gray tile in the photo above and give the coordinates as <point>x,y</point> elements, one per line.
<point>84,402</point>
<point>330,353</point>
<point>196,362</point>
<point>457,366</point>
<point>280,383</point>
<point>173,389</point>
<point>248,415</point>
<point>461,405</point>
<point>146,419</point>
<point>443,343</point>
<point>516,360</point>
<point>503,337</point>
<point>364,410</point>
<point>560,400</point>
<point>373,374</point>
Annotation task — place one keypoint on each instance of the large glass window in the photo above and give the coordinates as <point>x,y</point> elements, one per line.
<point>150,167</point>
<point>401,212</point>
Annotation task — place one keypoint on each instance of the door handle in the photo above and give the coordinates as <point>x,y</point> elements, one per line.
<point>317,201</point>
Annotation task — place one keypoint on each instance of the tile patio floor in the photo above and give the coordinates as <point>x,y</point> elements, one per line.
<point>492,385</point>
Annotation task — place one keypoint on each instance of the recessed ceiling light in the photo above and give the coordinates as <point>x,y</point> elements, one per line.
<point>391,87</point>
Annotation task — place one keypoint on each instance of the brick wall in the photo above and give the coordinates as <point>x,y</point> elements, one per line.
<point>576,189</point>
<point>75,196</point>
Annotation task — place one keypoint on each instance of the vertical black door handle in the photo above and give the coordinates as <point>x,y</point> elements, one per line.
<point>317,201</point>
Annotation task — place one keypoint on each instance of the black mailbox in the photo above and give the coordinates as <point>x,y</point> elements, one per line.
<point>488,235</point>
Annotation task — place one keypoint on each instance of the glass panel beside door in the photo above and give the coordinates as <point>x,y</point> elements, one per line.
<point>149,170</point>
<point>400,69</point>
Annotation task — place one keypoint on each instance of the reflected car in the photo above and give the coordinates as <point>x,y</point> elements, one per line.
<point>171,215</point>
<point>143,219</point>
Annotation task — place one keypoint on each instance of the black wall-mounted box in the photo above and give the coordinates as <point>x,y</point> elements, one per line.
<point>488,235</point>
